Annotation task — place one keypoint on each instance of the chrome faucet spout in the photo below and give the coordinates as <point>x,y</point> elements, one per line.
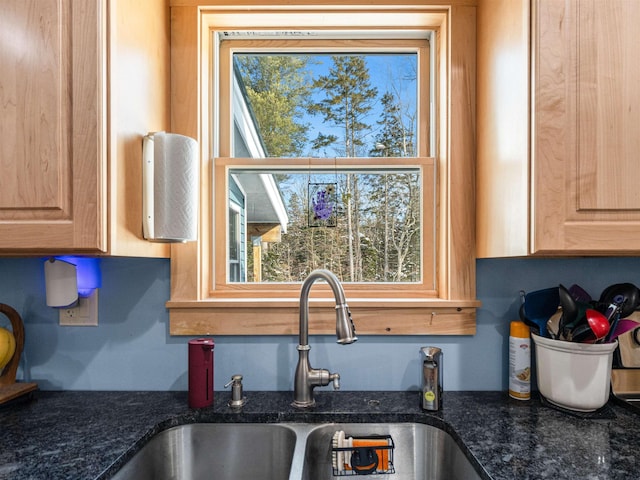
<point>307,378</point>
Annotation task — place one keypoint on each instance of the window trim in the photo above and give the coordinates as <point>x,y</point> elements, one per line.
<point>192,311</point>
<point>418,46</point>
<point>223,289</point>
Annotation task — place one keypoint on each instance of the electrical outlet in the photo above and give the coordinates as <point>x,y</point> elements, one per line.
<point>85,313</point>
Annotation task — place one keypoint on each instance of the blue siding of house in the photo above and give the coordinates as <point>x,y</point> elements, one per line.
<point>236,196</point>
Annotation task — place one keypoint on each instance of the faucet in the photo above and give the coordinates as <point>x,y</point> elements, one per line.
<point>307,378</point>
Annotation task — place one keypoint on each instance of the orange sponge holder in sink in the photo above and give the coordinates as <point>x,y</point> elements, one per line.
<point>365,455</point>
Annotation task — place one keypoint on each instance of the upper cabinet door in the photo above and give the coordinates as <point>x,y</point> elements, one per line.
<point>52,124</point>
<point>586,126</point>
<point>571,188</point>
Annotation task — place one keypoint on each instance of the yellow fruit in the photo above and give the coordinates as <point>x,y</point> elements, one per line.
<point>7,347</point>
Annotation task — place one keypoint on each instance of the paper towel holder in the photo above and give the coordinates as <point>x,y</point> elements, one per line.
<point>69,277</point>
<point>170,188</point>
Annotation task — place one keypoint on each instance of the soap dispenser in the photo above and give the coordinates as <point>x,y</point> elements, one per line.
<point>201,372</point>
<point>431,393</point>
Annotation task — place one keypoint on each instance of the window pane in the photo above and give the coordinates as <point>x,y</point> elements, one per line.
<point>362,224</point>
<point>325,105</point>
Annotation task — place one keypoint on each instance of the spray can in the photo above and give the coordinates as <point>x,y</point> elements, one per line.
<point>519,361</point>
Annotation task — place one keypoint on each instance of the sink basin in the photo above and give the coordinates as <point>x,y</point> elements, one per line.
<point>421,452</point>
<point>290,451</point>
<point>215,450</point>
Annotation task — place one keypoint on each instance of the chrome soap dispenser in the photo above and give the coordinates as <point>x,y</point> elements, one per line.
<point>431,394</point>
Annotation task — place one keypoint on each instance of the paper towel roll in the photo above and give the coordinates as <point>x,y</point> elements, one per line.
<point>170,187</point>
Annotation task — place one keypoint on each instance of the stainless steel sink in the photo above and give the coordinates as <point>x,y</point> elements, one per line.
<point>215,450</point>
<point>290,451</point>
<point>421,452</point>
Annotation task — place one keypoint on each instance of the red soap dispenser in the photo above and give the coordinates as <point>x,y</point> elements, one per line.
<point>200,372</point>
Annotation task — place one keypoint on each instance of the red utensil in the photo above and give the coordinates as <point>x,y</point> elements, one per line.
<point>598,322</point>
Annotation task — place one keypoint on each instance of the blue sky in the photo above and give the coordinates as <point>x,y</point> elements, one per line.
<point>388,72</point>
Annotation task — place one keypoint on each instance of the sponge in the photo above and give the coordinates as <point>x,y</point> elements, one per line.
<point>382,453</point>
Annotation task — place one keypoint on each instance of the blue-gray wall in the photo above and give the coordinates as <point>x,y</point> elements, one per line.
<point>132,350</point>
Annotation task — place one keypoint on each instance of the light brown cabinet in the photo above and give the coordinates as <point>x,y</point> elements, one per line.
<point>81,82</point>
<point>558,128</point>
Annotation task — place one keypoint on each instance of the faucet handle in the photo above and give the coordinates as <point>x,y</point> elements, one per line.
<point>335,377</point>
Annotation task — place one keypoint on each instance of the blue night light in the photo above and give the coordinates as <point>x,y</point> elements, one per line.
<point>88,273</point>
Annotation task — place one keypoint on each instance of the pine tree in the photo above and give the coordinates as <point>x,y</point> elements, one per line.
<point>397,194</point>
<point>348,98</point>
<point>277,89</point>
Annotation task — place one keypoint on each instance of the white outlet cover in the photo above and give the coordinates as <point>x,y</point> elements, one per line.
<point>84,314</point>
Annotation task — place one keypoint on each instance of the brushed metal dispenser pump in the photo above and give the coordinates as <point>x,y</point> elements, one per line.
<point>431,393</point>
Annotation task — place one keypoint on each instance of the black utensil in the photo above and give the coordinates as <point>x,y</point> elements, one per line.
<point>569,311</point>
<point>630,295</point>
<point>582,334</point>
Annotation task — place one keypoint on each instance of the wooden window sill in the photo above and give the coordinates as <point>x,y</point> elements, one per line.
<point>280,316</point>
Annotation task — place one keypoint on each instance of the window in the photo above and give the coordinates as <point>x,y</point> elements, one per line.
<point>241,277</point>
<point>324,217</point>
<point>348,119</point>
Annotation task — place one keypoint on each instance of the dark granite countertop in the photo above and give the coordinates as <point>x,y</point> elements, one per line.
<point>88,435</point>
